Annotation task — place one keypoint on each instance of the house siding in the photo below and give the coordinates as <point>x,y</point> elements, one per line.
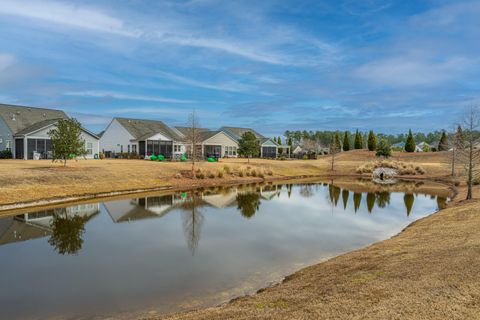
<point>6,135</point>
<point>221,139</point>
<point>116,139</point>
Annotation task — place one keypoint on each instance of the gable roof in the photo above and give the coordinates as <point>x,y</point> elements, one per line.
<point>142,128</point>
<point>237,132</point>
<point>184,130</point>
<point>19,118</point>
<point>37,126</point>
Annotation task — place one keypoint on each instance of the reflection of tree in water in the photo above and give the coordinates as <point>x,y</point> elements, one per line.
<point>306,191</point>
<point>289,188</point>
<point>383,199</point>
<point>345,195</point>
<point>370,201</point>
<point>67,232</point>
<point>441,202</point>
<point>408,198</point>
<point>357,200</point>
<point>192,221</point>
<point>248,203</point>
<point>334,193</point>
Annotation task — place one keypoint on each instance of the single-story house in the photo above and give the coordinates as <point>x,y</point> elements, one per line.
<point>217,144</point>
<point>142,137</point>
<point>268,147</point>
<point>401,146</point>
<point>24,132</point>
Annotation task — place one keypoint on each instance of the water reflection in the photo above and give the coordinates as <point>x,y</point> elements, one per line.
<point>167,250</point>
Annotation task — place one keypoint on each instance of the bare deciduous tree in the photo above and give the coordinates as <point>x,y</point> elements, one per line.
<point>469,153</point>
<point>192,138</point>
<point>335,148</point>
<point>457,143</point>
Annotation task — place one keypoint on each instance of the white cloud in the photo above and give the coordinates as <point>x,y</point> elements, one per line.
<point>411,71</point>
<point>6,60</point>
<point>233,87</point>
<point>66,14</point>
<point>123,96</point>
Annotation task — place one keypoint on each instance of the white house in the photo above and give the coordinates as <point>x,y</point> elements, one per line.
<point>24,131</point>
<point>142,137</point>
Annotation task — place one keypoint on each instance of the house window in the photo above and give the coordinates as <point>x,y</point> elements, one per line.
<point>89,148</point>
<point>134,148</point>
<point>230,151</point>
<point>128,148</point>
<point>8,145</point>
<point>177,148</point>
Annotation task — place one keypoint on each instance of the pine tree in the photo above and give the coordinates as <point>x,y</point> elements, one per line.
<point>383,149</point>
<point>248,145</point>
<point>443,144</point>
<point>372,141</point>
<point>275,139</point>
<point>358,140</point>
<point>346,141</point>
<point>279,141</point>
<point>290,143</point>
<point>410,143</point>
<point>337,141</point>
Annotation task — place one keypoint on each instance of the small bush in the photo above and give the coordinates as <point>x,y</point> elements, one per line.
<point>211,175</point>
<point>241,172</point>
<point>178,176</point>
<point>254,173</point>
<point>220,174</point>
<point>269,172</point>
<point>305,157</point>
<point>227,169</point>
<point>6,154</point>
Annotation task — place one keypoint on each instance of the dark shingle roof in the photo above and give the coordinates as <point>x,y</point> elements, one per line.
<point>143,129</point>
<point>19,118</point>
<point>236,132</point>
<point>37,126</point>
<point>204,135</point>
<point>184,130</point>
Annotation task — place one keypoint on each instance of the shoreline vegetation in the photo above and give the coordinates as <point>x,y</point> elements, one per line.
<point>27,184</point>
<point>427,271</point>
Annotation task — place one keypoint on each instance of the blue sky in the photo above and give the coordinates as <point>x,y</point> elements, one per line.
<point>271,65</point>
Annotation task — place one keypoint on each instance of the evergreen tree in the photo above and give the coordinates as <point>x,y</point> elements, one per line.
<point>248,145</point>
<point>410,143</point>
<point>357,200</point>
<point>279,140</point>
<point>346,141</point>
<point>372,141</point>
<point>275,139</point>
<point>370,201</point>
<point>358,144</point>
<point>443,144</point>
<point>337,141</point>
<point>67,141</point>
<point>290,143</point>
<point>383,149</point>
<point>345,195</point>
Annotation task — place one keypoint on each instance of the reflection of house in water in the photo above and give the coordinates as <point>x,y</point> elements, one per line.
<point>221,199</point>
<point>37,224</point>
<point>143,208</point>
<point>268,192</point>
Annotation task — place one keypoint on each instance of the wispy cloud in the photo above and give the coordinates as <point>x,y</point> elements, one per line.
<point>66,14</point>
<point>6,60</point>
<point>124,96</point>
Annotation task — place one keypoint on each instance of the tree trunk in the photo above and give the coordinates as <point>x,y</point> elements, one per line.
<point>470,172</point>
<point>453,161</point>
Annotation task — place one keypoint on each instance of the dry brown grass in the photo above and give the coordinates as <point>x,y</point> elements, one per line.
<point>402,168</point>
<point>429,271</point>
<point>24,181</point>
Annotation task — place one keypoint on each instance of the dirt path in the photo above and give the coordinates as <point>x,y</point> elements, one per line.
<point>429,271</point>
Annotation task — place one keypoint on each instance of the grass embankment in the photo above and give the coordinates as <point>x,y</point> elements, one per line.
<point>429,271</point>
<point>28,181</point>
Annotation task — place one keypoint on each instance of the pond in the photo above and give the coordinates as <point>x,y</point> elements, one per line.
<point>170,252</point>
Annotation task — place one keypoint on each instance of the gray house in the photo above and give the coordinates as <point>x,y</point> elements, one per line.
<point>268,147</point>
<point>24,131</point>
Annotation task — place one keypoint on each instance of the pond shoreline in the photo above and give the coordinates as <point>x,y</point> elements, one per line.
<point>352,285</point>
<point>186,185</point>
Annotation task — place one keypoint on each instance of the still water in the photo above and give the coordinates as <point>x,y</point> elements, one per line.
<point>164,253</point>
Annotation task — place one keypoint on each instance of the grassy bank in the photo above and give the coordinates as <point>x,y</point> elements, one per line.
<point>27,181</point>
<point>429,271</point>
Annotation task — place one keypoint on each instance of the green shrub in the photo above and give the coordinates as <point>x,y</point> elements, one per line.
<point>6,154</point>
<point>153,157</point>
